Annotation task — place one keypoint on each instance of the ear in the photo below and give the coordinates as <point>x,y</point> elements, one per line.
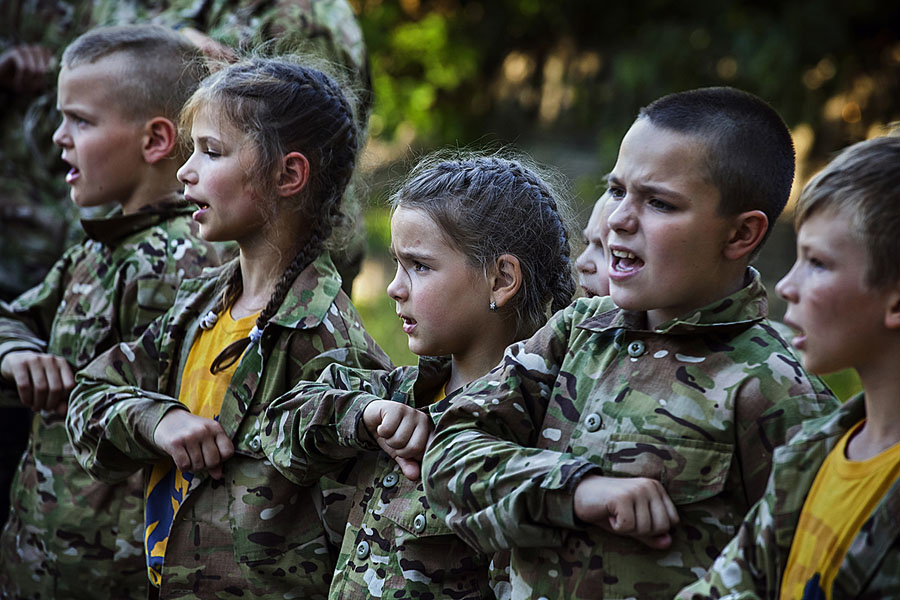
<point>892,313</point>
<point>749,229</point>
<point>506,279</point>
<point>160,137</point>
<point>294,175</point>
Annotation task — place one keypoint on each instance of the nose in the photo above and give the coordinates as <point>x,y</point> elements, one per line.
<point>398,288</point>
<point>622,218</point>
<point>786,288</point>
<point>584,264</point>
<point>61,136</point>
<point>186,174</point>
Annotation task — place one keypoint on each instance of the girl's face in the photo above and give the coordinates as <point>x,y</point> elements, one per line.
<point>215,178</point>
<point>593,275</point>
<point>442,301</point>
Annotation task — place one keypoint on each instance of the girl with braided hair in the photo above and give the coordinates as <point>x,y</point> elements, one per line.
<point>482,251</point>
<point>274,148</point>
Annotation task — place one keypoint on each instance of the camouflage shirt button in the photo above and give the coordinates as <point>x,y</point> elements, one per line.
<point>593,422</point>
<point>419,523</point>
<point>390,480</point>
<point>636,348</point>
<point>255,444</point>
<point>362,550</point>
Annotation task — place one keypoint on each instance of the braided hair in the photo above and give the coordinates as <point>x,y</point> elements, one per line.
<point>282,107</point>
<point>488,206</point>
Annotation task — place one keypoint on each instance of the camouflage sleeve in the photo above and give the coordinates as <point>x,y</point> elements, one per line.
<point>768,412</point>
<point>747,567</point>
<point>25,322</point>
<point>485,472</point>
<point>115,407</point>
<point>317,426</point>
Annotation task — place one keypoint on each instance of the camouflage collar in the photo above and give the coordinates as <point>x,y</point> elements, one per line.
<point>746,306</point>
<point>115,226</point>
<point>311,295</point>
<point>434,372</point>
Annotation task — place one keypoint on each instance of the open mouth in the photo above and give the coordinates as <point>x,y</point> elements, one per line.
<point>408,324</point>
<point>72,175</point>
<point>624,262</point>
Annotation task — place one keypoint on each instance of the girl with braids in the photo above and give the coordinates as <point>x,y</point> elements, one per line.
<point>482,251</point>
<point>274,148</point>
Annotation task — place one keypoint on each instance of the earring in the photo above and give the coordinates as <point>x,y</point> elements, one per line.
<point>493,306</point>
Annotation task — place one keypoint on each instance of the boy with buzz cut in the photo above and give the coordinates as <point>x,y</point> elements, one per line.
<point>616,451</point>
<point>827,526</point>
<point>120,92</point>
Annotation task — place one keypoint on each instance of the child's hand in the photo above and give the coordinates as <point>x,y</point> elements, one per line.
<point>633,506</point>
<point>24,68</point>
<point>43,380</point>
<point>401,431</point>
<point>194,443</point>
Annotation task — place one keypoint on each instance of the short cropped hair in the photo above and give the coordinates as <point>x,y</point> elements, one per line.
<point>863,184</point>
<point>749,150</point>
<point>163,67</point>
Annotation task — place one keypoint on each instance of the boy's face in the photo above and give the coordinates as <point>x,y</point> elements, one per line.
<point>102,146</point>
<point>666,237</point>
<point>839,319</point>
<point>593,276</point>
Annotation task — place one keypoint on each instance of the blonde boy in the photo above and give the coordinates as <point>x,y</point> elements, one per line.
<point>120,91</point>
<point>827,526</point>
<point>616,450</point>
<point>593,277</point>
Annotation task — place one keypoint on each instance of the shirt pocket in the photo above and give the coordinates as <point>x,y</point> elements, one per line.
<point>690,470</point>
<point>410,512</point>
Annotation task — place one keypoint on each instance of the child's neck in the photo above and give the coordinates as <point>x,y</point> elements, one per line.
<point>155,187</point>
<point>467,367</point>
<point>882,399</point>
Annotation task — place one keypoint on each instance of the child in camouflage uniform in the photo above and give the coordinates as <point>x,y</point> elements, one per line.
<point>274,148</point>
<point>68,535</point>
<point>827,526</point>
<point>482,253</point>
<point>615,450</point>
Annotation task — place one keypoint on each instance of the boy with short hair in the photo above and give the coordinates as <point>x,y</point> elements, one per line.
<point>616,451</point>
<point>120,91</point>
<point>827,526</point>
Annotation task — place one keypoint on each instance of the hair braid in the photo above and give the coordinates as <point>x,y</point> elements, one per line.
<point>284,107</point>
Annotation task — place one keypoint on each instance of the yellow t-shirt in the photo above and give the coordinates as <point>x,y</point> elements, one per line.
<point>841,499</point>
<point>202,393</point>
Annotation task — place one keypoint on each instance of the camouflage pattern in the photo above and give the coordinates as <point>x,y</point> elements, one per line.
<point>394,546</point>
<point>253,533</point>
<point>699,404</point>
<point>752,565</point>
<point>68,535</point>
<point>37,223</point>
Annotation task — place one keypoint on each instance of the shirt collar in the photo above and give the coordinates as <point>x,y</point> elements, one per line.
<point>746,306</point>
<point>115,226</point>
<point>311,295</point>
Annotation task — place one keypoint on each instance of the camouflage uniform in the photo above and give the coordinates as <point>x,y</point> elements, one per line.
<point>752,564</point>
<point>68,534</point>
<point>699,403</point>
<point>394,546</point>
<point>253,533</point>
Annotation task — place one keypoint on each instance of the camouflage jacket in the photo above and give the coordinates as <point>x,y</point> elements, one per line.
<point>752,564</point>
<point>699,404</point>
<point>253,531</point>
<point>68,534</point>
<point>394,546</point>
<point>36,222</point>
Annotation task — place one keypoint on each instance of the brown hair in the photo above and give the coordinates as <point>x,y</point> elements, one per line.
<point>862,184</point>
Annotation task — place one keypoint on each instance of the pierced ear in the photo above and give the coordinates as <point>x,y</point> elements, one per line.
<point>506,279</point>
<point>892,313</point>
<point>294,175</point>
<point>160,137</point>
<point>749,230</point>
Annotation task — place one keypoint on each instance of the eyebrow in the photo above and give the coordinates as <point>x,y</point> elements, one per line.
<point>646,190</point>
<point>206,139</point>
<point>411,255</point>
